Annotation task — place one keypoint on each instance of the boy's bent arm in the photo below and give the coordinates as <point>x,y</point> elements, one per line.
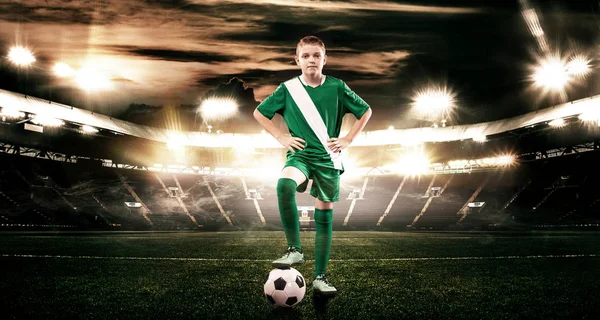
<point>290,143</point>
<point>338,144</point>
<point>359,125</point>
<point>267,124</point>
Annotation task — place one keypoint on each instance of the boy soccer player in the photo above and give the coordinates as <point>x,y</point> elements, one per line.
<point>312,105</point>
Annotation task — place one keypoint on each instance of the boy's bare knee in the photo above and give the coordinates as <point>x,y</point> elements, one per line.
<point>294,174</point>
<point>321,205</point>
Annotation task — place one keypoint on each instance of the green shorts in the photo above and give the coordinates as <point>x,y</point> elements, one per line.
<point>326,181</point>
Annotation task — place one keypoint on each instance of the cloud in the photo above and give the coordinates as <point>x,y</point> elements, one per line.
<point>175,55</point>
<point>350,5</point>
<point>380,63</point>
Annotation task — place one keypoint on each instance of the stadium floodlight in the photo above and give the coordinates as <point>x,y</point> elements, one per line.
<point>47,121</point>
<point>88,129</point>
<point>505,160</point>
<point>218,108</point>
<point>456,164</point>
<point>63,70</point>
<point>11,113</point>
<point>21,56</point>
<point>590,117</point>
<point>480,138</point>
<point>436,102</point>
<point>578,66</point>
<point>557,123</point>
<point>552,74</point>
<point>91,79</point>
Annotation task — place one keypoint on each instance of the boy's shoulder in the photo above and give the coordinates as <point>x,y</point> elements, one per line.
<point>335,80</point>
<point>329,81</point>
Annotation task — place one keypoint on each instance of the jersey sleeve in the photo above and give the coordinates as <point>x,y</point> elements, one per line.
<point>352,103</point>
<point>275,103</point>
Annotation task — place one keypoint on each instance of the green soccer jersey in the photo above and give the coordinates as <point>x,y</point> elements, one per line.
<point>333,99</point>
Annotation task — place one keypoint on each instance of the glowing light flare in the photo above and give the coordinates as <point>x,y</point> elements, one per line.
<point>480,138</point>
<point>45,120</point>
<point>245,150</point>
<point>21,56</point>
<point>456,164</point>
<point>176,145</point>
<point>410,141</point>
<point>552,74</point>
<point>578,66</point>
<point>593,116</point>
<point>91,79</point>
<point>11,113</point>
<point>557,123</point>
<point>88,129</point>
<point>533,24</point>
<point>434,101</point>
<point>350,165</point>
<point>268,168</point>
<point>63,70</point>
<point>413,163</point>
<point>503,160</point>
<point>218,108</point>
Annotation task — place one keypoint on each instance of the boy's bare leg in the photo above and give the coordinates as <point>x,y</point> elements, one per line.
<point>323,205</point>
<point>294,174</point>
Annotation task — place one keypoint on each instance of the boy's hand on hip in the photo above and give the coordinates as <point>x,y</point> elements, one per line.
<point>338,144</point>
<point>290,143</point>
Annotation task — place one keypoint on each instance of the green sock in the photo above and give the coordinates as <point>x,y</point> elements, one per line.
<point>288,211</point>
<point>323,219</point>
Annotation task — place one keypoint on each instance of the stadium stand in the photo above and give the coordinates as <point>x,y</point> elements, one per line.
<point>63,179</point>
<point>39,192</point>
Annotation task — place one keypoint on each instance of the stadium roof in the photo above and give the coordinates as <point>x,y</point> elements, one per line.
<point>411,136</point>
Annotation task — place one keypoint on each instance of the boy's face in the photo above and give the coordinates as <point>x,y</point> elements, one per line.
<point>311,59</point>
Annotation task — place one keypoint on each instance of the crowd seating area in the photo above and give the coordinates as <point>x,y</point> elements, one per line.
<point>39,193</point>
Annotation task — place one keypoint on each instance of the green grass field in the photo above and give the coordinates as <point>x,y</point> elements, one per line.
<point>380,275</point>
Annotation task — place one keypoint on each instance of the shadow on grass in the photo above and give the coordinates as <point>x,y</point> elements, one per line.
<point>285,313</point>
<point>320,303</point>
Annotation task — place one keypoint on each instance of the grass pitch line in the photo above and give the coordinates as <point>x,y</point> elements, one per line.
<point>473,258</point>
<point>331,260</point>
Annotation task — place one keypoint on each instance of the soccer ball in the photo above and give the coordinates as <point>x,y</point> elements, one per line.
<point>285,287</point>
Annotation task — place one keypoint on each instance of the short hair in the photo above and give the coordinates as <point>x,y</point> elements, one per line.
<point>311,40</point>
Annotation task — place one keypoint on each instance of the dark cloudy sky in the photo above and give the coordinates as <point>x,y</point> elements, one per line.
<point>172,52</point>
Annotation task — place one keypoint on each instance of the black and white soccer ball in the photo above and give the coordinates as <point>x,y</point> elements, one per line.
<point>285,287</point>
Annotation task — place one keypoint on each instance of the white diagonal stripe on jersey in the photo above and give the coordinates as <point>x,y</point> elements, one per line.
<point>313,117</point>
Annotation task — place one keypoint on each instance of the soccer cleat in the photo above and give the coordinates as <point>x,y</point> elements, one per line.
<point>322,287</point>
<point>292,257</point>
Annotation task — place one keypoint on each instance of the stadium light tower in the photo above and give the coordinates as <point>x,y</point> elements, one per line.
<point>579,66</point>
<point>215,109</point>
<point>554,73</point>
<point>21,56</point>
<point>551,74</point>
<point>434,103</point>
